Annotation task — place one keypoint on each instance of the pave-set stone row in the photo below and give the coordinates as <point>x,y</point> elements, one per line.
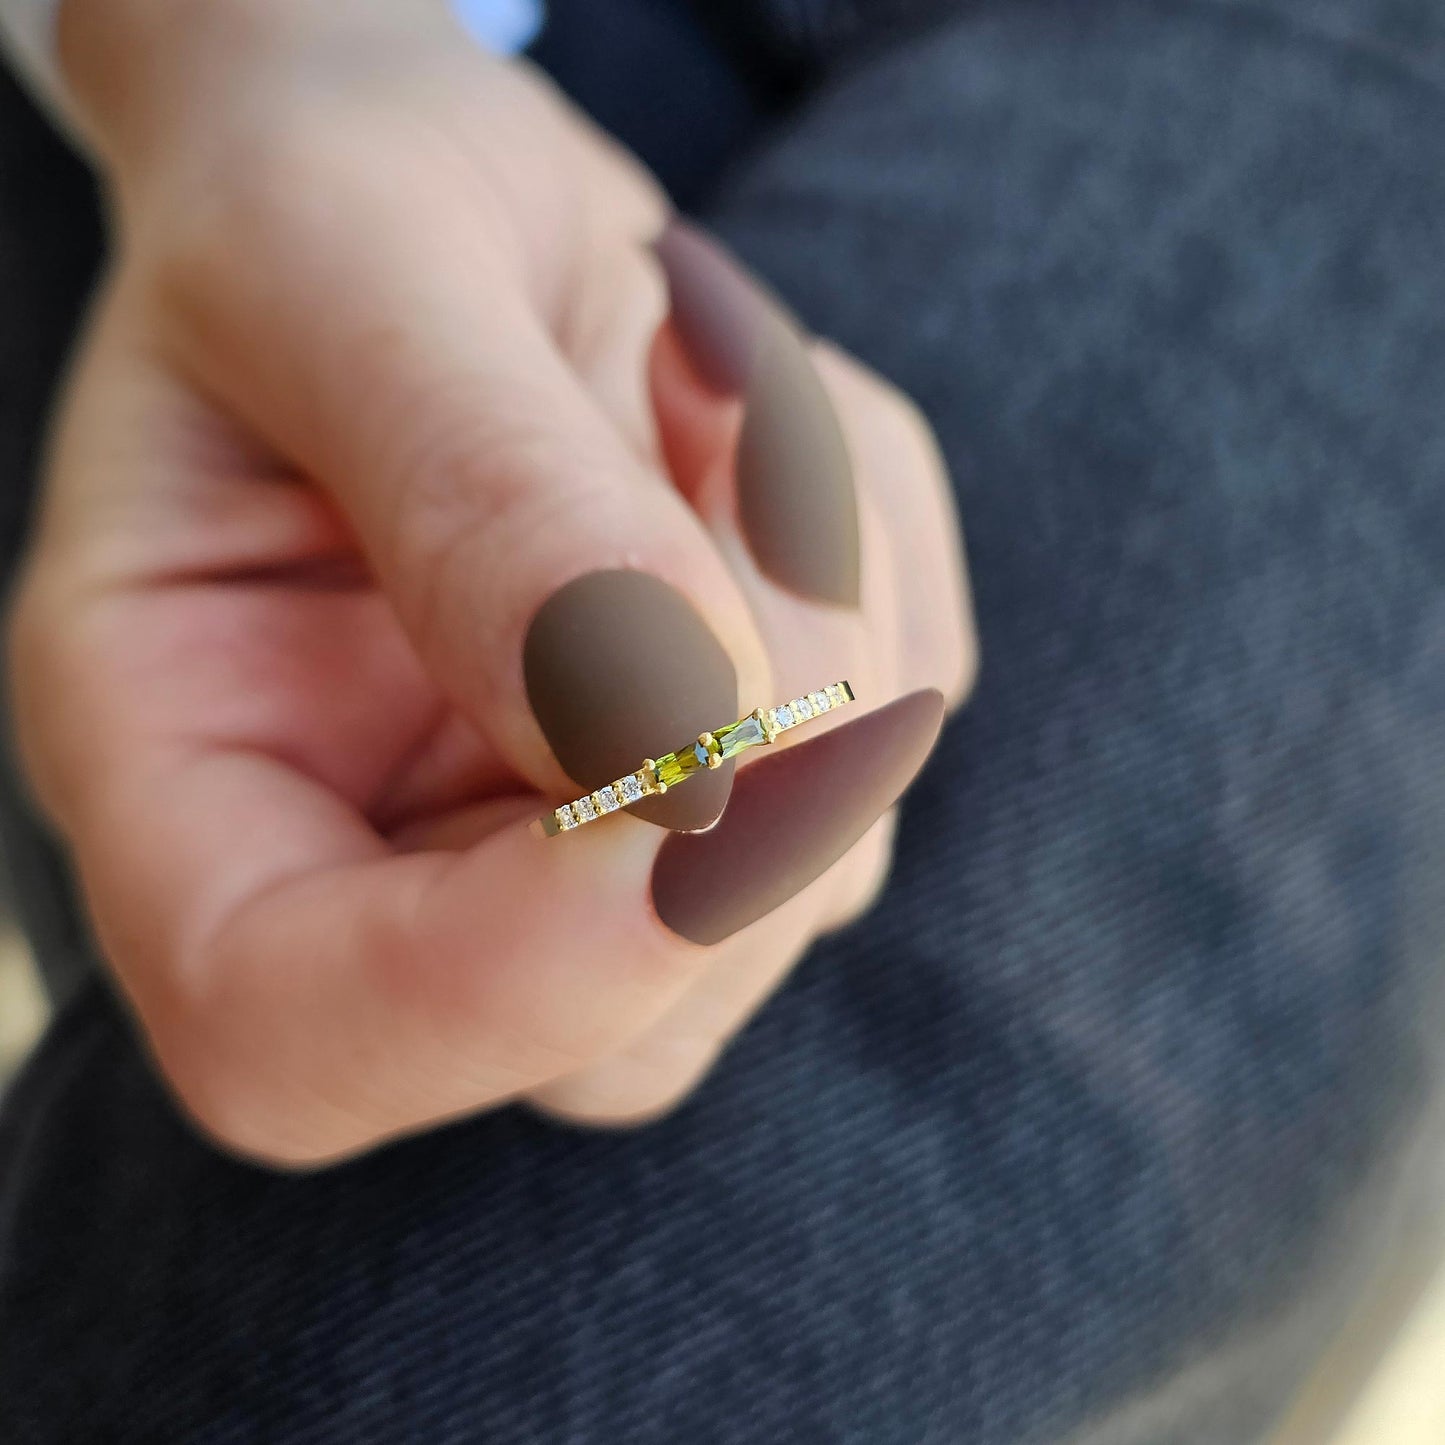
<point>711,750</point>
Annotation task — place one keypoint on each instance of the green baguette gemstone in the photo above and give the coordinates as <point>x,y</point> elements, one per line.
<point>732,739</point>
<point>674,767</point>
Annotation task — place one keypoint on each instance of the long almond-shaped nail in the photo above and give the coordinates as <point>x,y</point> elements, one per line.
<point>719,311</point>
<point>796,496</point>
<point>619,666</point>
<point>796,499</point>
<point>791,816</point>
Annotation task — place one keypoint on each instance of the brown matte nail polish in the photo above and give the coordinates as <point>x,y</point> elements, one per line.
<point>791,816</point>
<point>618,666</point>
<point>796,498</point>
<point>718,309</point>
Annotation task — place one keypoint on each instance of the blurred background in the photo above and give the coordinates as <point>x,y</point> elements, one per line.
<point>1382,1384</point>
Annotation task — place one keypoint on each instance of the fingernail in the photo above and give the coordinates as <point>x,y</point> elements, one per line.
<point>620,666</point>
<point>796,499</point>
<point>791,816</point>
<point>718,309</point>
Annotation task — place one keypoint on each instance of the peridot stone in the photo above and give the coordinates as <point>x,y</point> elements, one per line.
<point>674,767</point>
<point>732,739</point>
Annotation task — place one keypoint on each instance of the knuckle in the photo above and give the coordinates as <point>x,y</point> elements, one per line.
<point>29,634</point>
<point>50,638</point>
<point>229,1117</point>
<point>31,639</point>
<point>908,421</point>
<point>911,417</point>
<point>967,663</point>
<point>629,1113</point>
<point>871,388</point>
<point>271,209</point>
<point>49,649</point>
<point>215,1099</point>
<point>230,1104</point>
<point>474,506</point>
<point>632,1090</point>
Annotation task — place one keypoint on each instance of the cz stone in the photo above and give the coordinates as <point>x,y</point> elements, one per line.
<point>820,701</point>
<point>585,811</point>
<point>783,717</point>
<point>566,818</point>
<point>631,787</point>
<point>607,800</point>
<point>802,708</point>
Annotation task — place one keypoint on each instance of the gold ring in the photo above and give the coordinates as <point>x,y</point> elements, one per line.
<point>711,750</point>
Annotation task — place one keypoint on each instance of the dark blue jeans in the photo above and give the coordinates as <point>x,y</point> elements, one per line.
<point>1069,1140</point>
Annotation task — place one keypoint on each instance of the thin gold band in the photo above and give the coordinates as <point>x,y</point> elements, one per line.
<point>711,750</point>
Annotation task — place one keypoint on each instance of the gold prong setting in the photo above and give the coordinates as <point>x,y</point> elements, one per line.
<point>711,750</point>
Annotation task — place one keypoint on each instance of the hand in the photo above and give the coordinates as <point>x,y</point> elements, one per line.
<point>375,385</point>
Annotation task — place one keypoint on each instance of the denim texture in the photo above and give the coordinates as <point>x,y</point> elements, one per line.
<point>1083,1132</point>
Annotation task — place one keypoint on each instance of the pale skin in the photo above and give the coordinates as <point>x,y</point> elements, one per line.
<point>375,368</point>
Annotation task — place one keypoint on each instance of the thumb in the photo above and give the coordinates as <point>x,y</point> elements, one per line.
<point>558,588</point>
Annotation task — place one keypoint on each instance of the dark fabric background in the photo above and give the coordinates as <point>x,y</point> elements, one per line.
<point>50,247</point>
<point>1069,1140</point>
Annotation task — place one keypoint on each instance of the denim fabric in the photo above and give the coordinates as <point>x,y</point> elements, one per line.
<point>1072,1138</point>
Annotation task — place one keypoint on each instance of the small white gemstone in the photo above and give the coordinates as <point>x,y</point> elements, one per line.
<point>566,818</point>
<point>819,700</point>
<point>608,799</point>
<point>783,717</point>
<point>631,787</point>
<point>585,810</point>
<point>802,709</point>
